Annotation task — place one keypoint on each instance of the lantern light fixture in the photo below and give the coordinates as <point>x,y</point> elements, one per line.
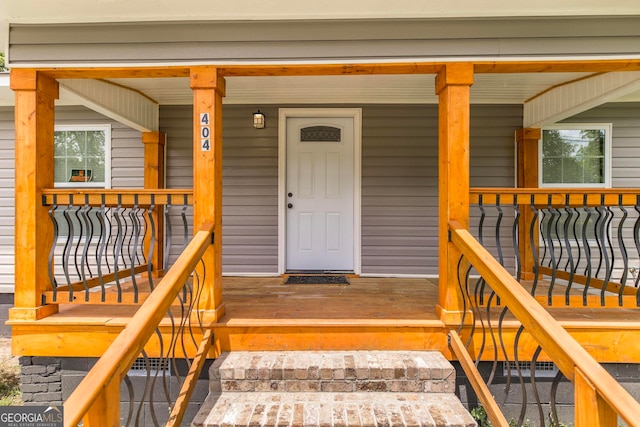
<point>258,120</point>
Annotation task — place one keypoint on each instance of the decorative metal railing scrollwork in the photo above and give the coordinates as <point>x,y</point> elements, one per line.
<point>499,320</point>
<point>167,333</point>
<point>567,247</point>
<point>109,246</point>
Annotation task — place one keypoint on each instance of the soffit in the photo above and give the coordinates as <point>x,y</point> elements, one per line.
<point>488,88</point>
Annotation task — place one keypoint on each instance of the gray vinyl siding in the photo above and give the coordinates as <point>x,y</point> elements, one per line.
<point>127,150</point>
<point>371,39</point>
<point>399,181</point>
<point>126,169</point>
<point>250,183</point>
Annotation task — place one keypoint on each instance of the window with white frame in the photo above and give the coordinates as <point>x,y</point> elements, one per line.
<point>579,156</point>
<point>82,156</point>
<point>576,155</point>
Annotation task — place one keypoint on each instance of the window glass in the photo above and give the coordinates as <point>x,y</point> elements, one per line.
<point>81,159</point>
<point>575,156</point>
<point>80,156</point>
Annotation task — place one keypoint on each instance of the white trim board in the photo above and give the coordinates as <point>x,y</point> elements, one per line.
<point>356,114</point>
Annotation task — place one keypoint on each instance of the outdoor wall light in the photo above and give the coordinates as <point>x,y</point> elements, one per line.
<point>258,120</point>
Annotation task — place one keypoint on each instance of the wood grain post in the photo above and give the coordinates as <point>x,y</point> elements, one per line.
<point>105,410</point>
<point>35,94</point>
<point>590,408</point>
<point>453,84</point>
<point>527,155</point>
<point>208,90</point>
<point>154,144</point>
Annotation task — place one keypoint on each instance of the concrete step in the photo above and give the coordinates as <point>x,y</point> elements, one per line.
<point>333,409</point>
<point>333,371</point>
<point>332,388</point>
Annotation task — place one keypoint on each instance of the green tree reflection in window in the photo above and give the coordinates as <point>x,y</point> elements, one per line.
<point>79,150</point>
<point>574,156</point>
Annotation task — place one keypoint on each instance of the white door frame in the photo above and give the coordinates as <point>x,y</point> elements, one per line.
<point>356,115</point>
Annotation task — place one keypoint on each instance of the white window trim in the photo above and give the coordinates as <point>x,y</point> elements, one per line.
<point>106,128</point>
<point>608,140</point>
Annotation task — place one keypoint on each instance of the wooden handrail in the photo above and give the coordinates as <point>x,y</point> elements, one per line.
<point>565,351</point>
<point>78,196</point>
<point>119,357</point>
<point>540,196</point>
<point>180,407</point>
<point>490,405</point>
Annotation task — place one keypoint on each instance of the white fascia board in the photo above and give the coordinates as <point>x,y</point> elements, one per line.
<point>568,100</point>
<point>119,103</point>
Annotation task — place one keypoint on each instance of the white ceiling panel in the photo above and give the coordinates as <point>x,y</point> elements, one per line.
<point>394,89</point>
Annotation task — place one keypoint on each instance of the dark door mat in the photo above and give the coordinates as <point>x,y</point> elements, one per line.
<point>317,280</point>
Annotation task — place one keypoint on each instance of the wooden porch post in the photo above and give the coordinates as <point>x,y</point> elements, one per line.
<point>35,94</point>
<point>208,86</point>
<point>154,179</point>
<point>527,155</point>
<point>453,83</point>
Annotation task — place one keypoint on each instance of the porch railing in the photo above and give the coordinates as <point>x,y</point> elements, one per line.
<point>599,398</point>
<point>96,400</point>
<point>104,242</point>
<point>568,247</point>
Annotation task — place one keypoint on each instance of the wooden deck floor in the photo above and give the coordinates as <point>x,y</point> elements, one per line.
<point>369,313</point>
<point>363,300</point>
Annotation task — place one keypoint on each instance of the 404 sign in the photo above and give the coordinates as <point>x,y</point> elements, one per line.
<point>205,132</point>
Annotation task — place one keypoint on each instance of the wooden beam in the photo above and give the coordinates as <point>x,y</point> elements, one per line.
<point>540,197</point>
<point>560,66</point>
<point>118,197</point>
<point>115,72</point>
<point>208,90</point>
<point>453,83</point>
<point>416,67</point>
<point>527,160</point>
<point>34,125</point>
<point>154,144</point>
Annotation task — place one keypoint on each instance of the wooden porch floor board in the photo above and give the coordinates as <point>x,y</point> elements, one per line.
<point>369,313</point>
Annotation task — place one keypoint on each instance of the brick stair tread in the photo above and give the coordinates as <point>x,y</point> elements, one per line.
<point>332,409</point>
<point>332,365</point>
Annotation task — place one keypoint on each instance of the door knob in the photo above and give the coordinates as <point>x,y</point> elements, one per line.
<point>290,205</point>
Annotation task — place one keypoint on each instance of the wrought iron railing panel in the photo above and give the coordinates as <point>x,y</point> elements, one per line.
<point>103,243</point>
<point>153,390</point>
<point>585,247</point>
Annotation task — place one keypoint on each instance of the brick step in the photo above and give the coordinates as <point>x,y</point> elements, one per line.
<point>333,371</point>
<point>332,388</point>
<point>332,409</point>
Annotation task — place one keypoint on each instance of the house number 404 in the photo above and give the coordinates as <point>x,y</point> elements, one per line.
<point>205,132</point>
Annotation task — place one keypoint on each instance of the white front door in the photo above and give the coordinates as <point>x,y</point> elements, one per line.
<point>319,193</point>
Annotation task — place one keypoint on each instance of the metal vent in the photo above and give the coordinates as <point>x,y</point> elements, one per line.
<point>155,365</point>
<point>320,134</point>
<point>543,369</point>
